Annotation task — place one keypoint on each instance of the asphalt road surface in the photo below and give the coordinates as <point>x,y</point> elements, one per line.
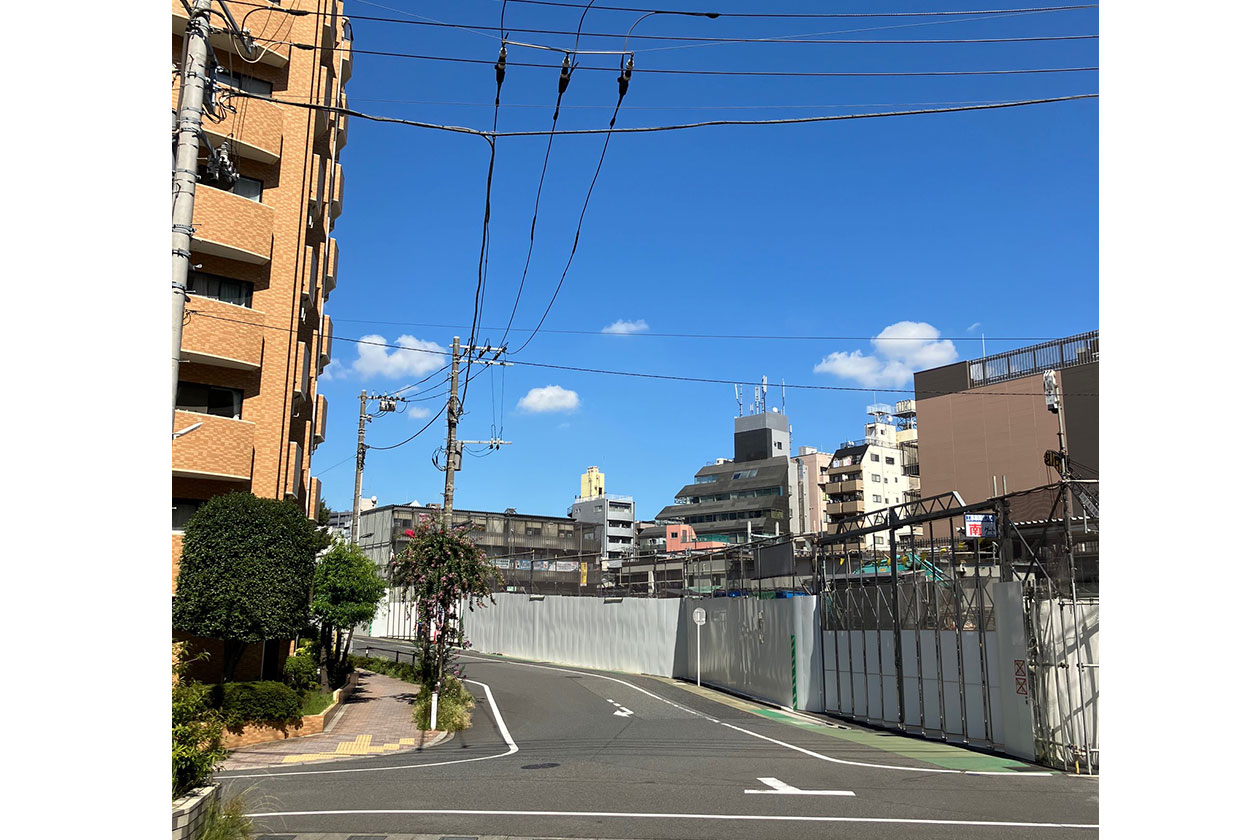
<point>568,752</point>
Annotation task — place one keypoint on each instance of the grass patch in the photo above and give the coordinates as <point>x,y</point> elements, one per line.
<point>227,821</point>
<point>315,701</point>
<point>455,705</point>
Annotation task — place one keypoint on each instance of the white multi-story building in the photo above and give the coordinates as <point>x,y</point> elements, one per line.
<point>880,471</point>
<point>614,513</point>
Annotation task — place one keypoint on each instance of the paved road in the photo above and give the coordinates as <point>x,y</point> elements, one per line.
<point>584,754</point>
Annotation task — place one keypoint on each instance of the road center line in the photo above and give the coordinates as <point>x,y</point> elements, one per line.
<point>811,753</point>
<point>494,708</point>
<point>655,816</point>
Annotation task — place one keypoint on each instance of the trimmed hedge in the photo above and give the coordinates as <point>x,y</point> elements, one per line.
<point>404,671</point>
<point>256,702</point>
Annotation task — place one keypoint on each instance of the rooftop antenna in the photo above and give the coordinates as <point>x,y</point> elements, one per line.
<point>739,398</point>
<point>763,394</point>
<point>783,396</point>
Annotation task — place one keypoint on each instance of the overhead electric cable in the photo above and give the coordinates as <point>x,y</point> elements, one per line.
<point>686,72</point>
<point>458,129</point>
<point>804,14</point>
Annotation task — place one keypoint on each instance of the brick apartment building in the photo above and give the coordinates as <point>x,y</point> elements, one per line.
<point>264,261</point>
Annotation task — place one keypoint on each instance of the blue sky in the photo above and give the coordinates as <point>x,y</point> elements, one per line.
<point>980,222</point>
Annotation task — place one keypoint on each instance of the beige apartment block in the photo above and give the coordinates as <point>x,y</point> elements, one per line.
<point>264,261</point>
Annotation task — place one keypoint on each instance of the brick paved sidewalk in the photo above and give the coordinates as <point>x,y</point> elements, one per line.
<point>375,719</point>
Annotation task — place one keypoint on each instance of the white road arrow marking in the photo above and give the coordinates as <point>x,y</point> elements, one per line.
<point>622,711</point>
<point>777,786</point>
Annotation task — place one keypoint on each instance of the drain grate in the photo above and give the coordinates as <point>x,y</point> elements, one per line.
<point>546,765</point>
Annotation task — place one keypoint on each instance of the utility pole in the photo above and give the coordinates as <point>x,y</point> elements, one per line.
<point>360,455</point>
<point>454,447</point>
<point>452,422</point>
<point>184,177</point>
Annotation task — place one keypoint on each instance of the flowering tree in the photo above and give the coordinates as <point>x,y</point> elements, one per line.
<point>437,570</point>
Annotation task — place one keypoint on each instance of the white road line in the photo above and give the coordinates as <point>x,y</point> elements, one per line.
<point>494,708</point>
<point>654,816</point>
<point>811,753</point>
<point>777,786</point>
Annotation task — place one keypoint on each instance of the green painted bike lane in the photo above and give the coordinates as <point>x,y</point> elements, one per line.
<point>942,755</point>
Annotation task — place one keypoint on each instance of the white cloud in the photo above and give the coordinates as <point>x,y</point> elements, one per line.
<point>620,327</point>
<point>551,398</point>
<point>418,413</point>
<point>376,360</point>
<point>335,370</point>
<point>973,327</point>
<point>900,350</point>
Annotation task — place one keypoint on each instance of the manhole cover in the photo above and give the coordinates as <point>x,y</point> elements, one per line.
<point>544,766</point>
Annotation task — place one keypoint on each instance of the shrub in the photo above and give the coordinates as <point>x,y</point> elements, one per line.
<point>227,821</point>
<point>404,671</point>
<point>299,672</point>
<point>196,730</point>
<point>257,702</point>
<point>454,706</point>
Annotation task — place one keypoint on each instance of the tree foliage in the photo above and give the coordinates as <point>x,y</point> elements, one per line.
<point>347,591</point>
<point>196,730</point>
<point>245,572</point>
<point>437,570</point>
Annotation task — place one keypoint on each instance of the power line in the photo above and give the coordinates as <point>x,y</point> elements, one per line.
<point>479,29</point>
<point>645,129</point>
<point>661,376</point>
<point>684,72</point>
<point>436,415</point>
<point>802,14</point>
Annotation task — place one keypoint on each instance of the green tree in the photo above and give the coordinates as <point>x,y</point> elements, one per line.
<point>346,593</point>
<point>245,573</point>
<point>325,514</point>
<point>438,569</point>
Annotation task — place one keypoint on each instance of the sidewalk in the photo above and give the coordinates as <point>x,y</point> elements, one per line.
<point>376,719</point>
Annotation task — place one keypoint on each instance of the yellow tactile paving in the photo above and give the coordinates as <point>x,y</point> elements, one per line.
<point>361,745</point>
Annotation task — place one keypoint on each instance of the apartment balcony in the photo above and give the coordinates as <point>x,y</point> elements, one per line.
<point>223,335</point>
<point>312,498</point>
<point>302,380</point>
<point>273,55</point>
<point>325,344</point>
<point>343,126</point>
<point>345,60</point>
<point>334,203</point>
<point>230,226</point>
<point>295,484</point>
<point>853,485</point>
<point>845,508</point>
<point>321,421</point>
<point>256,129</point>
<point>222,449</point>
<point>330,268</point>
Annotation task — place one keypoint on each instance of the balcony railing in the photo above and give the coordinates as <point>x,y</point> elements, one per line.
<point>255,129</point>
<point>1052,355</point>
<point>220,449</point>
<point>325,343</point>
<point>849,486</point>
<point>330,266</point>
<point>223,334</point>
<point>334,205</point>
<point>321,421</point>
<point>228,225</point>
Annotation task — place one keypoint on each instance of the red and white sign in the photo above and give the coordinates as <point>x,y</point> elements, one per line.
<point>1019,668</point>
<point>1021,686</point>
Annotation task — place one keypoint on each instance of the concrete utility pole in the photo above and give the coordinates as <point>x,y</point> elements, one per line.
<point>184,176</point>
<point>454,446</point>
<point>359,456</point>
<point>452,422</point>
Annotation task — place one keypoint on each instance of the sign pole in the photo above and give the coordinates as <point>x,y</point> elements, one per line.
<point>698,616</point>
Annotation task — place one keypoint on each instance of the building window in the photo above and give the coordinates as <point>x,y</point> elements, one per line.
<point>875,498</point>
<point>888,459</point>
<point>673,535</point>
<point>875,479</point>
<point>875,458</point>
<point>778,444</point>
<point>242,81</point>
<point>705,479</point>
<point>209,399</point>
<point>879,540</point>
<point>182,510</point>
<point>250,188</point>
<point>744,474</point>
<point>238,292</point>
<point>895,480</point>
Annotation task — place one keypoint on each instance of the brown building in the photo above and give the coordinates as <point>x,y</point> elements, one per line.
<point>264,261</point>
<point>987,418</point>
